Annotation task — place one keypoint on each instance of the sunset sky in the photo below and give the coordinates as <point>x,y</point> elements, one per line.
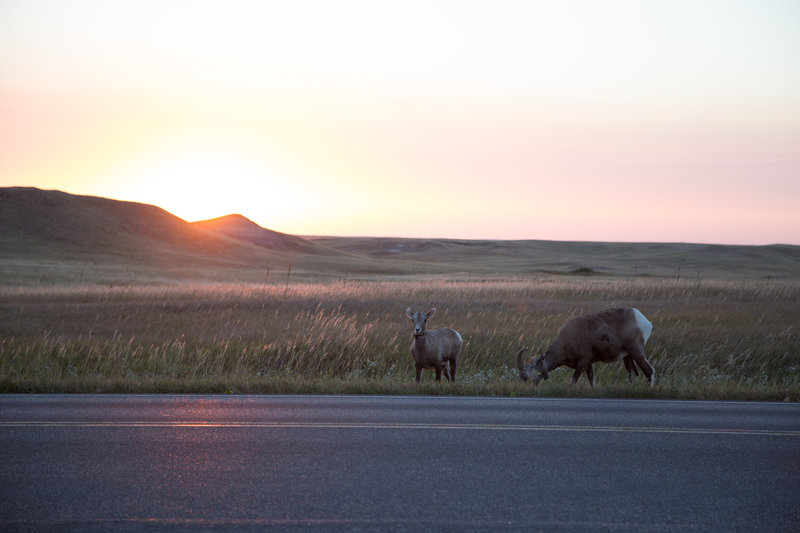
<point>668,121</point>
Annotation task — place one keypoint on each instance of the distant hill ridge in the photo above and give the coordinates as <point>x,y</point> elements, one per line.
<point>242,228</point>
<point>47,230</point>
<point>59,222</point>
<point>55,216</point>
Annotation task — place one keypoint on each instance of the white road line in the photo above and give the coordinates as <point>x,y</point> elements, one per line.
<point>369,425</point>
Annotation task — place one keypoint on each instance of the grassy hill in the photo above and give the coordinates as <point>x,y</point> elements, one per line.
<point>51,236</point>
<point>527,257</point>
<point>54,225</point>
<point>55,236</point>
<point>243,229</point>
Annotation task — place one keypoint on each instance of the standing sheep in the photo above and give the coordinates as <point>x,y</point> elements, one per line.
<point>433,348</point>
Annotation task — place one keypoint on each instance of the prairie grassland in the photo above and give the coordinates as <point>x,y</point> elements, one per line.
<point>713,339</point>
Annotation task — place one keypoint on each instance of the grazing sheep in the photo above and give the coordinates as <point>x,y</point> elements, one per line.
<point>607,336</point>
<point>433,348</point>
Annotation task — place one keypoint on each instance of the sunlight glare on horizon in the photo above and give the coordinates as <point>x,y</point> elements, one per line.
<point>577,120</point>
<point>201,181</point>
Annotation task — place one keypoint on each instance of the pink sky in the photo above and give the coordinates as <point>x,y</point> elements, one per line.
<point>576,120</point>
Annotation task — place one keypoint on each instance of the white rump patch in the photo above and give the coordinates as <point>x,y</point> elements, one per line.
<point>644,325</point>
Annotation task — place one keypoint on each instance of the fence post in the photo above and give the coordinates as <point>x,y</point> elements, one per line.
<point>288,274</point>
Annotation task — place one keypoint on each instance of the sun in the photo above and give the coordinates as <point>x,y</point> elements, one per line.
<point>199,180</point>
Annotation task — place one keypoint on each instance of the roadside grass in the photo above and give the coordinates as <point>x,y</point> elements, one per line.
<point>713,339</point>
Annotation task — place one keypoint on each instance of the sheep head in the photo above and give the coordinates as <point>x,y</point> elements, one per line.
<point>419,319</point>
<point>535,365</point>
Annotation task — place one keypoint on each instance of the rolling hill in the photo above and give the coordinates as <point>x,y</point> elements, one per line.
<point>55,236</point>
<point>54,225</point>
<point>58,237</point>
<point>243,229</point>
<point>526,257</point>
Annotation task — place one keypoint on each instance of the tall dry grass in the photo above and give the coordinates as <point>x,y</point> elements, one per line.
<point>712,339</point>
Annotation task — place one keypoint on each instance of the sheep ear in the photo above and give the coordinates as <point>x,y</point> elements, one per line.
<point>408,312</point>
<point>430,313</point>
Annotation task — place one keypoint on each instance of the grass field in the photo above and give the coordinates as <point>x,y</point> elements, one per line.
<point>713,339</point>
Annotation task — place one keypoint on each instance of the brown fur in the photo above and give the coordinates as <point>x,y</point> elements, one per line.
<point>601,337</point>
<point>433,348</point>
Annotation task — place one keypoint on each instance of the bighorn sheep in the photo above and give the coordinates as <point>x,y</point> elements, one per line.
<point>434,348</point>
<point>606,336</point>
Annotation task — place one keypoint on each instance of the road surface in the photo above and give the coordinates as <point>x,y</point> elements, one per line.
<point>318,463</point>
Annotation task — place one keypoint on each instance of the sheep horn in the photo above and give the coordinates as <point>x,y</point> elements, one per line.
<point>521,366</point>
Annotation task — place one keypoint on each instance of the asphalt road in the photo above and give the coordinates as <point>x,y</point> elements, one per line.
<point>297,463</point>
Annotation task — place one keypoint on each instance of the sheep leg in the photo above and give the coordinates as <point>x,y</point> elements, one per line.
<point>438,370</point>
<point>419,372</point>
<point>590,375</point>
<point>445,372</point>
<point>452,369</point>
<point>577,374</point>
<point>631,367</point>
<point>638,356</point>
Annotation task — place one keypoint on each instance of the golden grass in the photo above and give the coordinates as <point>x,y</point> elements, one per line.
<point>717,339</point>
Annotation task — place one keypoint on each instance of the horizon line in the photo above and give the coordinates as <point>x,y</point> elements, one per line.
<point>396,237</point>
